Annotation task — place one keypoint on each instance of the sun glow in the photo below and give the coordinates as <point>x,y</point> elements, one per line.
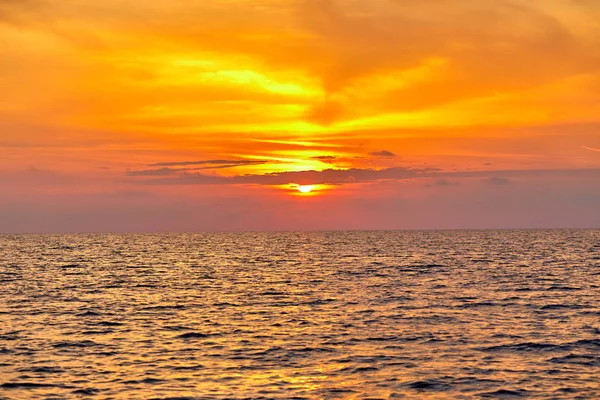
<point>296,189</point>
<point>305,188</point>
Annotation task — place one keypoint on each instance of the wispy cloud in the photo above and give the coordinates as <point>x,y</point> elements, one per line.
<point>329,176</point>
<point>325,158</point>
<point>445,182</point>
<point>167,168</point>
<point>228,163</point>
<point>356,175</point>
<point>496,180</point>
<point>383,154</point>
<point>154,172</point>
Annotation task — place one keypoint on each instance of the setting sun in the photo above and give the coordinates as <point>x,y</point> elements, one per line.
<point>305,188</point>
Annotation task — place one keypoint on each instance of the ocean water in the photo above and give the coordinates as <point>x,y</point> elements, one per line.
<point>340,315</point>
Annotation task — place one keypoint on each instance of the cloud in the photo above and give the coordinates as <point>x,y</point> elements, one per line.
<point>357,175</point>
<point>167,169</point>
<point>10,9</point>
<point>325,158</point>
<point>153,172</point>
<point>332,60</point>
<point>208,162</point>
<point>508,174</point>
<point>430,54</point>
<point>173,171</point>
<point>496,180</point>
<point>382,153</point>
<point>590,148</point>
<point>446,182</point>
<point>329,176</point>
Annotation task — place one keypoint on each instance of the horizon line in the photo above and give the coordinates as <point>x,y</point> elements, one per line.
<point>199,232</point>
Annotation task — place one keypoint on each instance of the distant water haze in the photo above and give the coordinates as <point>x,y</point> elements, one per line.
<point>333,315</point>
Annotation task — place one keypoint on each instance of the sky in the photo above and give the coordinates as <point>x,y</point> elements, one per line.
<point>185,115</point>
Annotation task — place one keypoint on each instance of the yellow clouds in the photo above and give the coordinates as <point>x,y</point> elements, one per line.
<point>289,64</point>
<point>216,71</point>
<point>469,52</point>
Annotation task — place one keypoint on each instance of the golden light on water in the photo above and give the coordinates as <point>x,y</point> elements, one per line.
<point>316,315</point>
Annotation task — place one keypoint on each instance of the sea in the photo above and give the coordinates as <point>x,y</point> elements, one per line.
<point>299,315</point>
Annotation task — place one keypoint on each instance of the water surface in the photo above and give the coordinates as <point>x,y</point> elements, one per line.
<point>341,315</point>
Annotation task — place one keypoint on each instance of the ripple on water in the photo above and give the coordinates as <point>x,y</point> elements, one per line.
<point>194,335</point>
<point>43,370</point>
<point>587,360</point>
<point>75,344</point>
<point>429,385</point>
<point>506,394</point>
<point>340,315</point>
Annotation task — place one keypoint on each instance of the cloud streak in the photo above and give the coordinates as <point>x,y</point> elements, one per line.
<point>208,162</point>
<point>355,176</point>
<point>383,154</point>
<point>167,167</point>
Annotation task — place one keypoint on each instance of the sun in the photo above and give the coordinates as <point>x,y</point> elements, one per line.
<point>305,188</point>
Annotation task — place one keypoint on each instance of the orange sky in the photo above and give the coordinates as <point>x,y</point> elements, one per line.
<point>126,115</point>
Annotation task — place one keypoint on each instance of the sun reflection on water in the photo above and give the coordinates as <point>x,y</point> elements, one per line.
<point>344,315</point>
